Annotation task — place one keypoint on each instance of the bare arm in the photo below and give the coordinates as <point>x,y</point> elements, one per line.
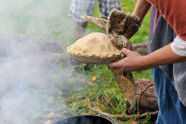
<point>141,8</point>
<point>162,56</point>
<point>133,61</point>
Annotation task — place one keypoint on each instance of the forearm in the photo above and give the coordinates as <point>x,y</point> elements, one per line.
<point>141,8</point>
<point>134,61</point>
<point>162,56</point>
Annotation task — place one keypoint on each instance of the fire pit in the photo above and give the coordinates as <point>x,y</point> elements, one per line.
<point>84,119</point>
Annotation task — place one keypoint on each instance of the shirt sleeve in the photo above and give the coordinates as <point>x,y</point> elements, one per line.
<point>174,12</point>
<point>178,46</point>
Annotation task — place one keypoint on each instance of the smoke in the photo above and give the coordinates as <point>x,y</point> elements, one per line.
<point>39,19</point>
<point>33,35</point>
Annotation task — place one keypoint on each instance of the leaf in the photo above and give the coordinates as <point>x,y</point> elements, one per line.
<point>91,112</point>
<point>125,98</point>
<point>99,110</point>
<point>93,78</point>
<point>84,102</point>
<point>133,121</point>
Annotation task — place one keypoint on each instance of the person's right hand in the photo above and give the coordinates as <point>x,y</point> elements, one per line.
<point>131,61</point>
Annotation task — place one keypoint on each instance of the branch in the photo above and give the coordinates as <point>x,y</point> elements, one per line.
<point>119,116</point>
<point>102,113</point>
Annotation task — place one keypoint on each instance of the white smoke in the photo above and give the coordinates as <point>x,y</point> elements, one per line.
<point>41,18</point>
<point>32,36</point>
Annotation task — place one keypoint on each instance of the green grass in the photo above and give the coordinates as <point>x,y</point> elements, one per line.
<point>100,84</point>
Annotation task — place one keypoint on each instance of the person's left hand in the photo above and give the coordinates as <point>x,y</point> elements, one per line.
<point>130,62</point>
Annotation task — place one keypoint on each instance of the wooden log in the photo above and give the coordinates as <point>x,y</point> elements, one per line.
<point>141,48</point>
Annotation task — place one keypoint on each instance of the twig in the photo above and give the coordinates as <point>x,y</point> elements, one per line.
<point>102,113</point>
<point>119,116</point>
<point>141,115</point>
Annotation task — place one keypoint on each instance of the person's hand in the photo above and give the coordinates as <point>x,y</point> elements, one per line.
<point>122,24</point>
<point>130,62</point>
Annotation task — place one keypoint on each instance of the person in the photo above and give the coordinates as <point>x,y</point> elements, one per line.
<point>152,22</point>
<point>167,58</point>
<point>80,8</point>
